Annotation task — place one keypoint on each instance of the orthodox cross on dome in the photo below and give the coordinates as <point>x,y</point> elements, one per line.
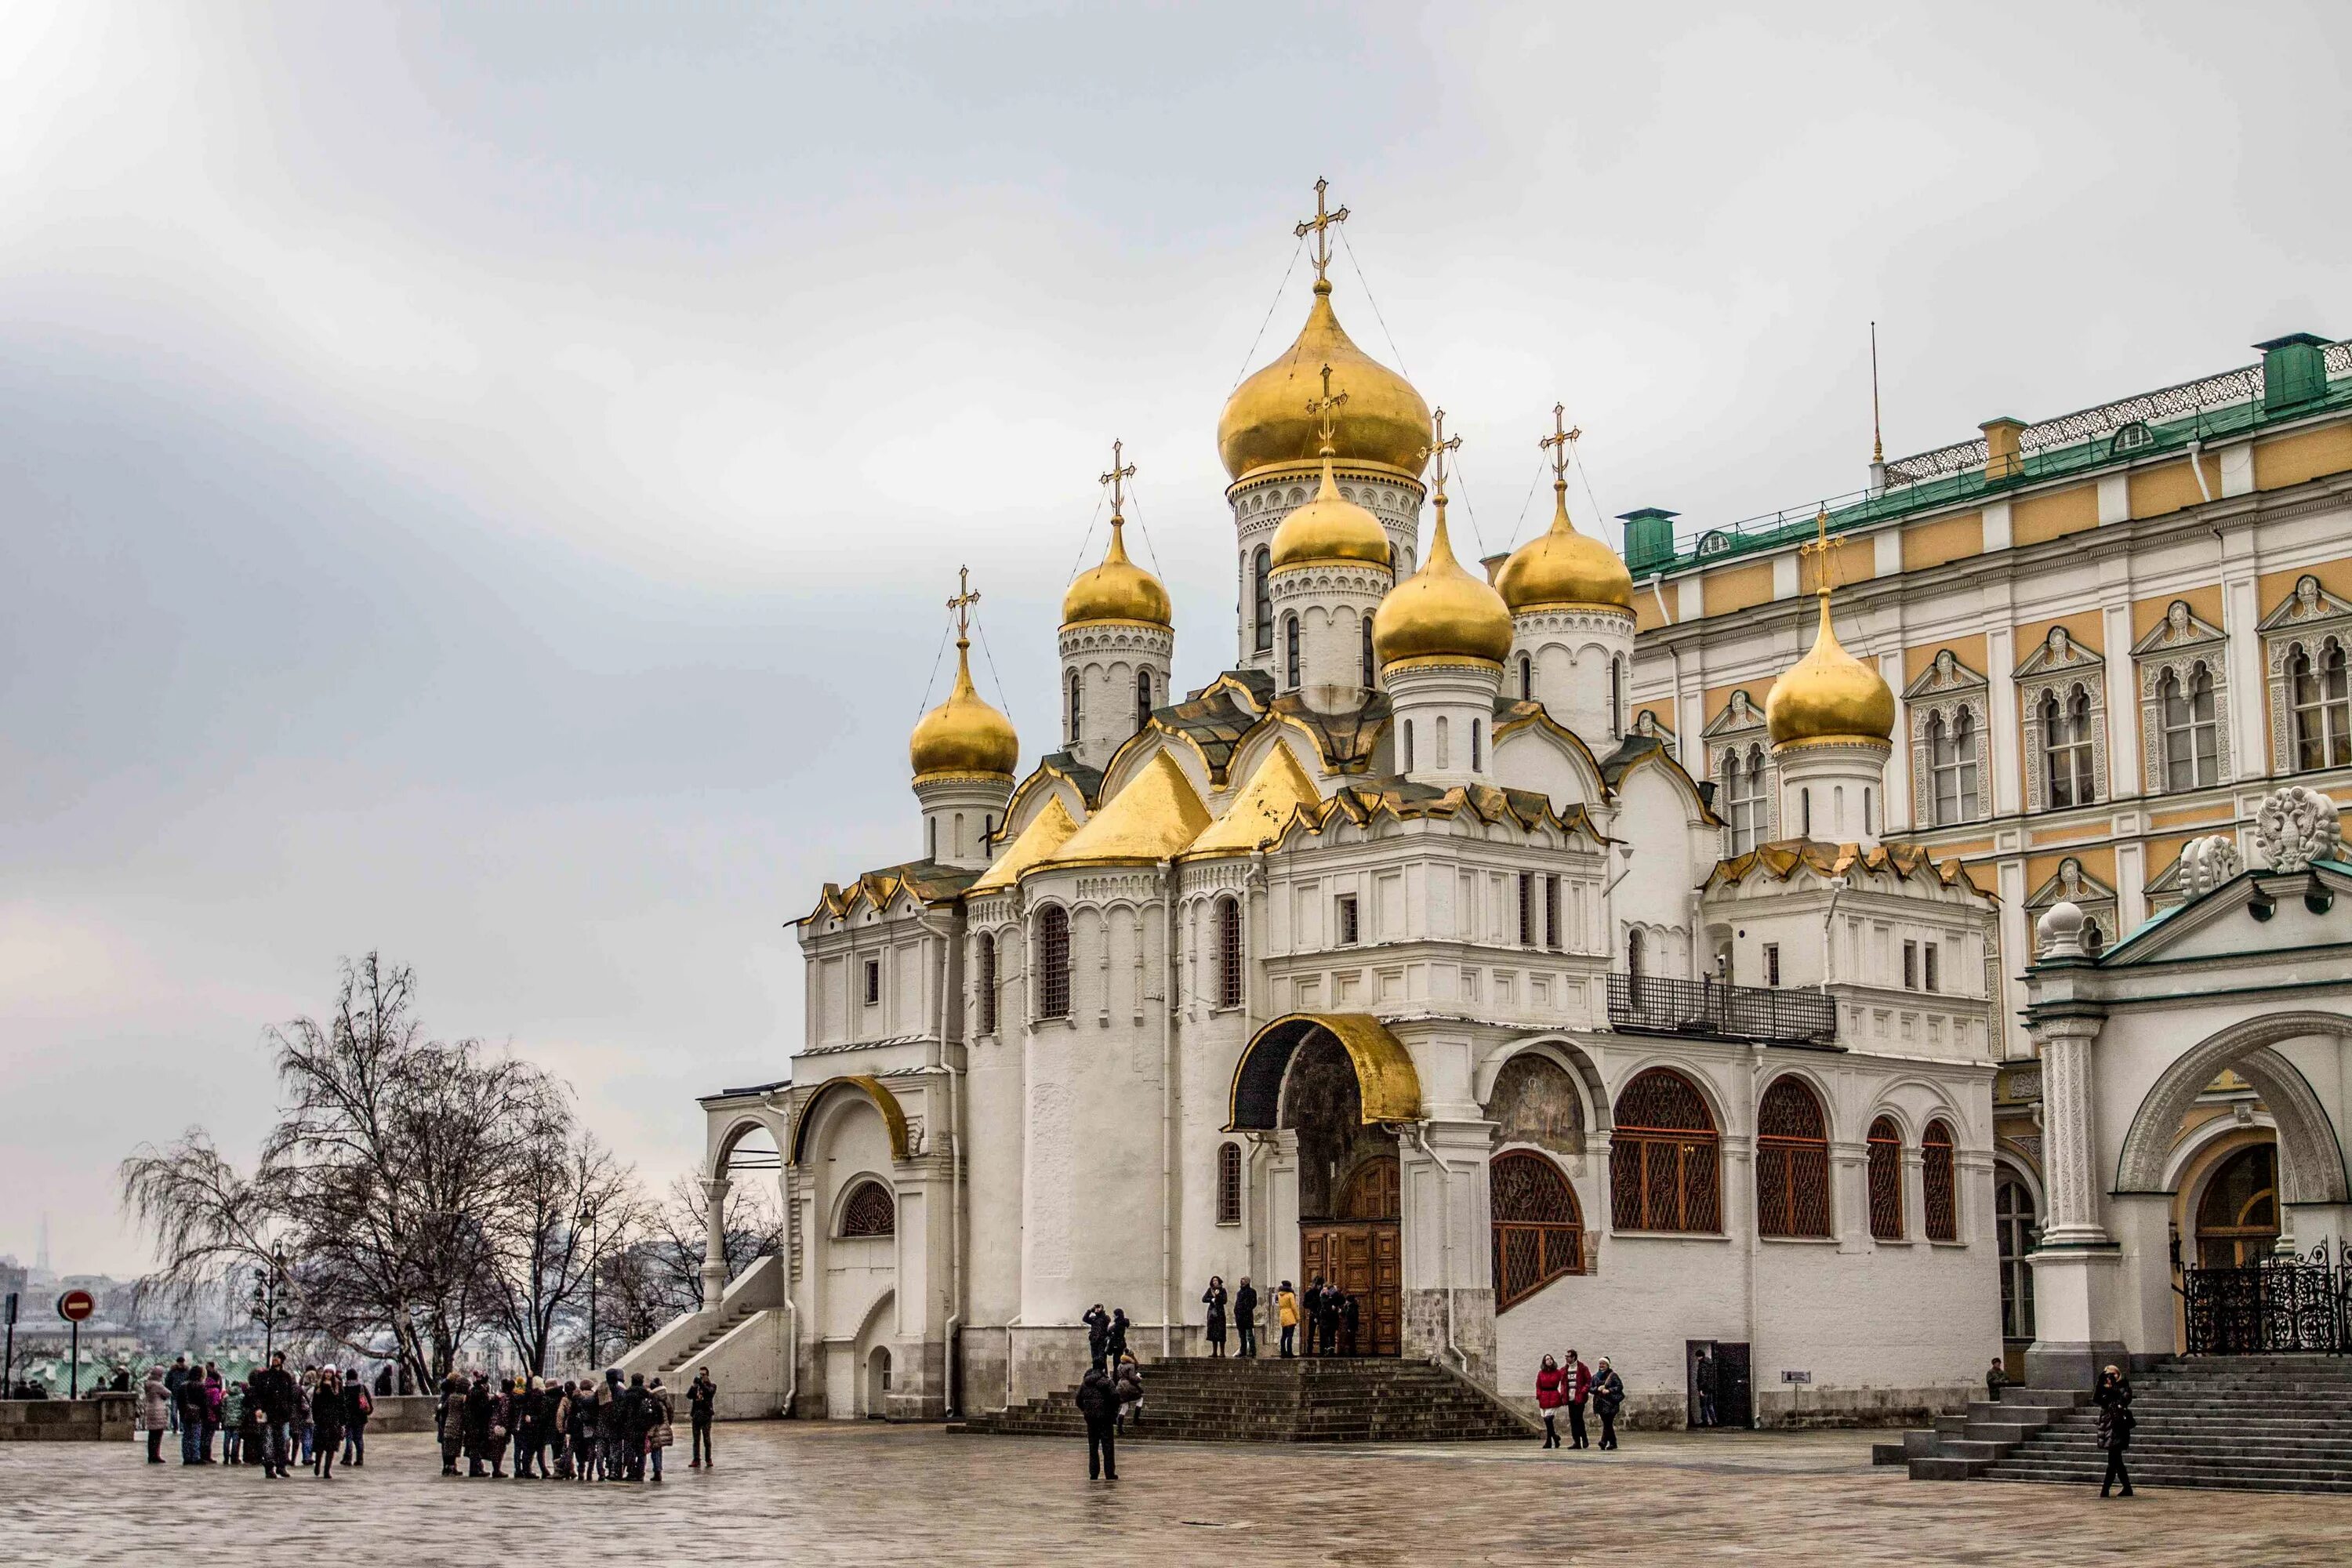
<point>1818,550</point>
<point>966,596</point>
<point>1437,448</point>
<point>1326,406</point>
<point>1321,223</point>
<point>1117,480</point>
<point>1558,443</point>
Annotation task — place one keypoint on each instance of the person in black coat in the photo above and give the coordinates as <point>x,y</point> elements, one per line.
<point>2114,1397</point>
<point>1099,1403</point>
<point>1117,1347</point>
<point>478,1424</point>
<point>1608,1398</point>
<point>1245,1316</point>
<point>1351,1319</point>
<point>1097,1322</point>
<point>1310,1314</point>
<point>326,1424</point>
<point>1214,1297</point>
<point>701,1400</point>
<point>272,1389</point>
<point>357,1407</point>
<point>1327,1318</point>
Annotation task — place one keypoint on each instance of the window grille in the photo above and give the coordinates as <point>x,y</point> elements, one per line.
<point>1885,1181</point>
<point>1664,1165</point>
<point>987,985</point>
<point>2318,693</point>
<point>1929,981</point>
<point>870,1211</point>
<point>1229,1183</point>
<point>1527,908</point>
<point>1350,921</point>
<point>1229,953</point>
<point>1935,1184</point>
<point>1792,1161</point>
<point>1077,709</point>
<point>1290,660</point>
<point>2014,1217</point>
<point>1772,964</point>
<point>1142,698</point>
<point>1538,1228</point>
<point>873,981</point>
<point>1551,914</point>
<point>1054,962</point>
<point>1262,599</point>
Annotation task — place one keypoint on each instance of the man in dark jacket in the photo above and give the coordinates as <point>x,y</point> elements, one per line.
<point>639,1420</point>
<point>1608,1396</point>
<point>1245,1316</point>
<point>191,1403</point>
<point>1310,1314</point>
<point>1579,1378</point>
<point>2115,1424</point>
<point>1351,1320</point>
<point>273,1389</point>
<point>612,1425</point>
<point>1097,1322</point>
<point>1099,1403</point>
<point>171,1381</point>
<point>1326,1323</point>
<point>357,1407</point>
<point>478,1424</point>
<point>701,1398</point>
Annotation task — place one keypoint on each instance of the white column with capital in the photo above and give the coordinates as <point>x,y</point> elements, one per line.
<point>714,1241</point>
<point>2077,1273</point>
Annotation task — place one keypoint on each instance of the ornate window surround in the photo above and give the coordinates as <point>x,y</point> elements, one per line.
<point>1740,728</point>
<point>1949,689</point>
<point>2308,616</point>
<point>2053,670</point>
<point>2079,887</point>
<point>2177,645</point>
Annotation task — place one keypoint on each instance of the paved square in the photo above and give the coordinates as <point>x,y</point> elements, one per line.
<point>864,1494</point>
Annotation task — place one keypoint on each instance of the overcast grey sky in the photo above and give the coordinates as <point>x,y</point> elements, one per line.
<point>479,482</point>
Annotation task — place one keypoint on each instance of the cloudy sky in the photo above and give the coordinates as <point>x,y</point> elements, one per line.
<point>479,483</point>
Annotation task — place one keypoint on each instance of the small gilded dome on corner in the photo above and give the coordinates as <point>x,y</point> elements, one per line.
<point>1560,568</point>
<point>963,734</point>
<point>1118,590</point>
<point>1829,695</point>
<point>1329,528</point>
<point>1442,611</point>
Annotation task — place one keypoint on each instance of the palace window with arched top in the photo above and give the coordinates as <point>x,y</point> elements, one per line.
<point>1952,770</point>
<point>870,1210</point>
<point>1663,1157</point>
<point>1792,1161</point>
<point>1229,953</point>
<point>1262,599</point>
<point>1885,1180</point>
<point>2321,697</point>
<point>1937,1185</point>
<point>2192,733</point>
<point>1538,1227</point>
<point>984,983</point>
<point>1745,787</point>
<point>2069,761</point>
<point>1052,961</point>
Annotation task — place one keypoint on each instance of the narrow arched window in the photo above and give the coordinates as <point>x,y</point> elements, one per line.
<point>1866,826</point>
<point>1444,744</point>
<point>1527,677</point>
<point>1885,1180</point>
<point>1054,962</point>
<point>1229,1183</point>
<point>1663,1157</point>
<point>1372,667</point>
<point>1634,953</point>
<point>870,1210</point>
<point>1077,709</point>
<point>2192,738</point>
<point>1142,698</point>
<point>1616,697</point>
<point>1407,748</point>
<point>1477,745</point>
<point>1229,953</point>
<point>984,983</point>
<point>934,826</point>
<point>1936,1181</point>
<point>1290,660</point>
<point>1262,598</point>
<point>1804,814</point>
<point>1792,1161</point>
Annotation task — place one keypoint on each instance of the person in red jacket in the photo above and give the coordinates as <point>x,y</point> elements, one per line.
<point>1550,1397</point>
<point>1579,1378</point>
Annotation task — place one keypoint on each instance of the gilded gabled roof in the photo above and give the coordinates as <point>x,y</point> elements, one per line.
<point>1214,722</point>
<point>1047,831</point>
<point>925,881</point>
<point>1263,809</point>
<point>1784,858</point>
<point>1407,800</point>
<point>1153,818</point>
<point>1638,751</point>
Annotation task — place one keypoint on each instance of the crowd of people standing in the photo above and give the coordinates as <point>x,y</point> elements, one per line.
<point>581,1430</point>
<point>270,1418</point>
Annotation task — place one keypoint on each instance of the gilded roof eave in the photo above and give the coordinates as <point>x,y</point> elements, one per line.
<point>1035,844</point>
<point>894,1115</point>
<point>1151,819</point>
<point>1387,1088</point>
<point>1784,859</point>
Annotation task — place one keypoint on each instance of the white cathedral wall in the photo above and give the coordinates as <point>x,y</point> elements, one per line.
<point>1530,759</point>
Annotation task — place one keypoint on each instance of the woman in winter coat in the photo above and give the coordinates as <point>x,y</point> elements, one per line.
<point>1215,1297</point>
<point>1608,1398</point>
<point>1116,1344</point>
<point>2116,1423</point>
<point>502,1420</point>
<point>1550,1397</point>
<point>326,1423</point>
<point>155,1411</point>
<point>660,1434</point>
<point>1286,1313</point>
<point>1128,1386</point>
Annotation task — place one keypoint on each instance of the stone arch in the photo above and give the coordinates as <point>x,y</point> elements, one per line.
<point>732,1131</point>
<point>1824,1095</point>
<point>1710,1093</point>
<point>894,1116</point>
<point>1562,1052</point>
<point>849,1188</point>
<point>2310,1160</point>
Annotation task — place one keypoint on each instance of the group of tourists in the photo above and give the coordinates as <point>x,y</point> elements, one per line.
<point>1332,1316</point>
<point>582,1429</point>
<point>268,1418</point>
<point>1569,1387</point>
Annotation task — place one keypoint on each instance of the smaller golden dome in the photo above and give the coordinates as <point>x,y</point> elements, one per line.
<point>1562,567</point>
<point>1442,611</point>
<point>1829,695</point>
<point>963,734</point>
<point>1329,528</point>
<point>1118,590</point>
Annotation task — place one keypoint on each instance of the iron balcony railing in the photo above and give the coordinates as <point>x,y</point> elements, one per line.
<point>1644,1005</point>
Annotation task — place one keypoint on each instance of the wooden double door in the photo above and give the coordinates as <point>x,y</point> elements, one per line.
<point>1362,1257</point>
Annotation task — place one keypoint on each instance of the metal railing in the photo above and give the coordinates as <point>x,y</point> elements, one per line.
<point>1644,1005</point>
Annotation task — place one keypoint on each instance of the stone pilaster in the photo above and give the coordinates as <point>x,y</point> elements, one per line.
<point>2069,1145</point>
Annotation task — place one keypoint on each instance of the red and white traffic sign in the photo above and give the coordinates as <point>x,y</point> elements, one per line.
<point>75,1305</point>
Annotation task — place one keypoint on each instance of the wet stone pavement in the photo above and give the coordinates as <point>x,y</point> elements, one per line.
<point>866,1494</point>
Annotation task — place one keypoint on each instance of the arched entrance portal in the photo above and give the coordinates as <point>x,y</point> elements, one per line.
<point>1338,1084</point>
<point>2237,1215</point>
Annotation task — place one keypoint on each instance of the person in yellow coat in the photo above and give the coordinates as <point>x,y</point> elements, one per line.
<point>1285,1312</point>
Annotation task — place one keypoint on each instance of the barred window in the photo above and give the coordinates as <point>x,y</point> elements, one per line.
<point>870,1211</point>
<point>1372,667</point>
<point>1142,698</point>
<point>1885,1180</point>
<point>1527,908</point>
<point>1262,599</point>
<point>1054,962</point>
<point>1229,1183</point>
<point>1229,953</point>
<point>1663,1169</point>
<point>1792,1161</point>
<point>985,984</point>
<point>1526,678</point>
<point>1551,914</point>
<point>1538,1228</point>
<point>1936,1181</point>
<point>1349,919</point>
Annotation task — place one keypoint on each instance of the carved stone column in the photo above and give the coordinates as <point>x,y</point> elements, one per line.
<point>2078,1277</point>
<point>714,1241</point>
<point>2070,1146</point>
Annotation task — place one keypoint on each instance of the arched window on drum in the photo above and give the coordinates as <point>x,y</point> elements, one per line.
<point>1538,1225</point>
<point>1937,1188</point>
<point>1053,962</point>
<point>1663,1157</point>
<point>1792,1161</point>
<point>1885,1180</point>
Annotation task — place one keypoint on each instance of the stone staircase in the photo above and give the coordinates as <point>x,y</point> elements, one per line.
<point>725,1321</point>
<point>2245,1423</point>
<point>1270,1400</point>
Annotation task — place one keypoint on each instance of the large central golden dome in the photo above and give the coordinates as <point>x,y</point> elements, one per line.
<point>1329,528</point>
<point>963,734</point>
<point>1563,568</point>
<point>1118,590</point>
<point>1442,611</point>
<point>1267,421</point>
<point>1829,695</point>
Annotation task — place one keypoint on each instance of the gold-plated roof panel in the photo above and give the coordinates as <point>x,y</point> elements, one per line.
<point>1035,843</point>
<point>1330,527</point>
<point>1117,589</point>
<point>1153,818</point>
<point>894,1115</point>
<point>1829,694</point>
<point>1262,809</point>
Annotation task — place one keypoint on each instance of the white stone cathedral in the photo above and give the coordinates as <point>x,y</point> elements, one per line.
<point>1392,955</point>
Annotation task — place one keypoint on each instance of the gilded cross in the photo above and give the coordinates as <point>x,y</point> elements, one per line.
<point>1819,550</point>
<point>1117,479</point>
<point>1321,223</point>
<point>1438,446</point>
<point>1557,442</point>
<point>1326,406</point>
<point>965,598</point>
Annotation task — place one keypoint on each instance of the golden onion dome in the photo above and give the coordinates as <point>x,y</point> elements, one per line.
<point>963,734</point>
<point>1829,695</point>
<point>1267,420</point>
<point>1563,567</point>
<point>1118,590</point>
<point>1329,528</point>
<point>1442,611</point>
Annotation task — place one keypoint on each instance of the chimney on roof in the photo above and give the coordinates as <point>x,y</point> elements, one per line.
<point>1494,565</point>
<point>2003,460</point>
<point>2294,371</point>
<point>1649,538</point>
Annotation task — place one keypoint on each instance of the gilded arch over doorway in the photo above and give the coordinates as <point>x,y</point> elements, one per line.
<point>894,1115</point>
<point>1389,1088</point>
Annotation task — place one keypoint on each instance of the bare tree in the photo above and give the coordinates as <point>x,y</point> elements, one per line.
<point>662,1276</point>
<point>573,1207</point>
<point>210,1222</point>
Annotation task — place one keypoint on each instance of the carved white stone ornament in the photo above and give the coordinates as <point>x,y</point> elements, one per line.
<point>2058,932</point>
<point>2207,863</point>
<point>2296,826</point>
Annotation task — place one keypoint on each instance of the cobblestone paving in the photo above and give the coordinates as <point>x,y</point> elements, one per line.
<point>866,1495</point>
